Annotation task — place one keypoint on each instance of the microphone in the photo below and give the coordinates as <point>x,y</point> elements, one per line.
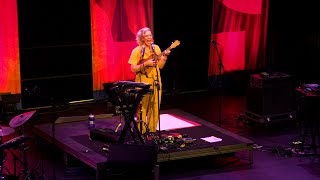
<point>152,46</point>
<point>215,42</point>
<point>142,51</point>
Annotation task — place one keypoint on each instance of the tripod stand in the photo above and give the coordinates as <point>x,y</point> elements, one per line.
<point>56,109</point>
<point>4,131</point>
<point>2,160</point>
<point>15,143</point>
<point>24,172</point>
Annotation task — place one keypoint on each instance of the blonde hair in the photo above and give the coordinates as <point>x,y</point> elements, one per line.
<point>140,35</point>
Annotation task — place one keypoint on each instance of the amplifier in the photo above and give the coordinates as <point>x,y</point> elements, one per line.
<point>276,79</point>
<point>270,96</point>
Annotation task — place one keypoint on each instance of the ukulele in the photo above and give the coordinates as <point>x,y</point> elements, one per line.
<point>148,69</point>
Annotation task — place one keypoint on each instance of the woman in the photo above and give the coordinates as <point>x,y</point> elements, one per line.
<point>146,60</point>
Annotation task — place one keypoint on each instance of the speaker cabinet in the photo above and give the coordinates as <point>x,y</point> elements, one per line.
<point>269,97</point>
<point>127,161</point>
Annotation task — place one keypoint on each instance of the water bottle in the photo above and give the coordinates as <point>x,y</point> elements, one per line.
<point>91,122</point>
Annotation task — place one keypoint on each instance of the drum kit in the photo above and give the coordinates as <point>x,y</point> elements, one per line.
<point>15,125</point>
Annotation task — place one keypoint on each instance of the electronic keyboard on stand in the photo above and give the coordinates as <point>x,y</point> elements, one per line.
<point>122,88</point>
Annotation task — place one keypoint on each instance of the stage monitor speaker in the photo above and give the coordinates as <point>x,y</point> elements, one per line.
<point>130,160</point>
<point>270,96</point>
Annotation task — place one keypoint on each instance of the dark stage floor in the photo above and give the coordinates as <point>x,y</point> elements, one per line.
<point>72,137</point>
<point>275,155</point>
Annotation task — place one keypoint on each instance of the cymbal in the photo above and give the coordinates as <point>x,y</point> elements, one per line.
<point>4,130</point>
<point>21,119</point>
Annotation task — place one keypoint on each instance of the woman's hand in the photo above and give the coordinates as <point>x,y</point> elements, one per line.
<point>149,63</point>
<point>166,52</point>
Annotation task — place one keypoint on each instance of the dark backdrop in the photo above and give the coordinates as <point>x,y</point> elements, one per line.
<point>55,46</point>
<point>294,40</point>
<point>55,51</point>
<point>189,22</point>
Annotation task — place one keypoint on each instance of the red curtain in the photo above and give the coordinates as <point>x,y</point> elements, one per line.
<point>9,48</point>
<point>114,24</point>
<point>239,28</point>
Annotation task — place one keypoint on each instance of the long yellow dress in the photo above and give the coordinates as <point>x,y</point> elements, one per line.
<point>149,103</point>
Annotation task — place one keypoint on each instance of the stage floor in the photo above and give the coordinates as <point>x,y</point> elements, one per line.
<point>71,135</point>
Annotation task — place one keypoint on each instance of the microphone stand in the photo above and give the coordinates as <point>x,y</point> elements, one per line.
<point>55,108</point>
<point>158,87</point>
<point>55,117</point>
<point>140,109</point>
<point>53,141</point>
<point>1,158</point>
<point>220,65</point>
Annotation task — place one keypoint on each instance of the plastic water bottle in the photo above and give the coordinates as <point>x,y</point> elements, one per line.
<point>91,122</point>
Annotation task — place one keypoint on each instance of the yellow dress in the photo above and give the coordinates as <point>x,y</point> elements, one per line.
<point>149,103</point>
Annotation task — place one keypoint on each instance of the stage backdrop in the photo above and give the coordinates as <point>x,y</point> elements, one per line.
<point>239,34</point>
<point>9,48</point>
<point>114,24</point>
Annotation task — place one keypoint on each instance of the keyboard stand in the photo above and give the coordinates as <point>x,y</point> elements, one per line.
<point>123,88</point>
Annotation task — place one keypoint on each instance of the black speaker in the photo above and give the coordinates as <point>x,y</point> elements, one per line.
<point>130,160</point>
<point>268,96</point>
